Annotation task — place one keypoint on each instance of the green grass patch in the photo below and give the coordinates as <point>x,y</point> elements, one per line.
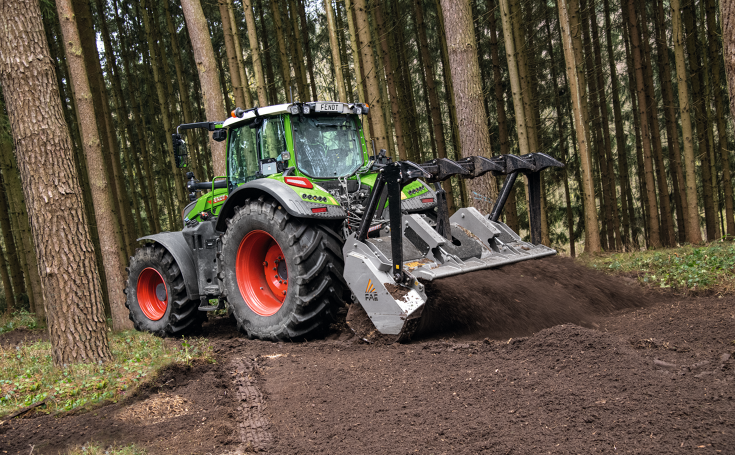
<point>16,320</point>
<point>27,374</point>
<point>689,268</point>
<point>96,449</point>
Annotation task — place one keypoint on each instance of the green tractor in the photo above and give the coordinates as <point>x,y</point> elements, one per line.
<point>309,218</point>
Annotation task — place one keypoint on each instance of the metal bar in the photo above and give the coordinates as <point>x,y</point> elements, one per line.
<point>503,196</point>
<point>534,209</point>
<point>367,219</point>
<point>443,227</point>
<point>395,183</point>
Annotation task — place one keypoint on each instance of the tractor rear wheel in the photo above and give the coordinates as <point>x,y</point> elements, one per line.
<point>156,294</point>
<point>282,275</point>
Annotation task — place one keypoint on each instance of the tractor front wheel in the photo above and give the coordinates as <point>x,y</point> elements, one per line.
<point>156,295</point>
<point>282,275</point>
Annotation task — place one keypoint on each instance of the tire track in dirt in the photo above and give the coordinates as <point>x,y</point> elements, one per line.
<point>252,423</point>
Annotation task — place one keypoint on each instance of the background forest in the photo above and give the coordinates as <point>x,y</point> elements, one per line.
<point>648,94</point>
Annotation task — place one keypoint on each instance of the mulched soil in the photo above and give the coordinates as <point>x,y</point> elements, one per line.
<point>559,360</point>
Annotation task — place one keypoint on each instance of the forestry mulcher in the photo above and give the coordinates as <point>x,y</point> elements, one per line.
<point>308,217</point>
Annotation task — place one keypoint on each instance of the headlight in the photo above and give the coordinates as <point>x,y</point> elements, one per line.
<point>357,110</point>
<point>294,109</point>
<point>306,109</point>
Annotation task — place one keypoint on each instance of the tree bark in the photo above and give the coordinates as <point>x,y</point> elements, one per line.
<point>305,37</point>
<point>720,95</point>
<point>467,87</point>
<point>570,33</point>
<point>15,286</point>
<point>434,107</point>
<point>334,46</point>
<point>667,93</point>
<point>204,57</point>
<point>21,226</point>
<point>695,65</point>
<point>100,188</point>
<point>282,54</point>
<point>255,53</point>
<point>229,38</point>
<point>297,54</point>
<point>667,228</point>
<point>71,285</point>
<point>378,133</point>
<point>511,54</point>
<point>238,54</point>
<point>563,146</point>
<point>395,105</point>
<point>653,220</point>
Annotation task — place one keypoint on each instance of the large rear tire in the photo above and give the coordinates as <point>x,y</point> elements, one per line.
<point>282,275</point>
<point>156,294</point>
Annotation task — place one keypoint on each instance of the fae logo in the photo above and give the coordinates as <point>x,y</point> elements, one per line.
<point>371,294</point>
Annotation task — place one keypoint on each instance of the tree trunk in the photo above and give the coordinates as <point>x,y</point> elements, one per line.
<point>21,226</point>
<point>101,197</point>
<point>524,76</point>
<point>511,54</point>
<point>16,286</point>
<point>255,53</point>
<point>434,106</point>
<point>71,285</point>
<point>282,54</point>
<point>383,90</point>
<point>667,228</point>
<point>667,93</point>
<point>183,86</point>
<point>204,57</point>
<point>395,105</point>
<point>720,95</point>
<point>334,46</point>
<point>653,220</point>
<point>692,44</point>
<point>467,87</point>
<point>727,15</point>
<point>570,32</point>
<point>371,81</point>
<point>229,38</point>
<point>611,191</point>
<point>563,146</point>
<point>297,54</point>
<point>305,37</point>
<point>238,54</point>
<point>620,134</point>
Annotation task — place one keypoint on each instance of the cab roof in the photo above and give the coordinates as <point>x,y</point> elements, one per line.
<point>289,108</point>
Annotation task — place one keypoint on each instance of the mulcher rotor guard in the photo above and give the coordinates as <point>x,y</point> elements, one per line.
<point>383,272</point>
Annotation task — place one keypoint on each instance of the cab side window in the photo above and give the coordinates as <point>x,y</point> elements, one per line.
<point>241,155</point>
<point>272,138</point>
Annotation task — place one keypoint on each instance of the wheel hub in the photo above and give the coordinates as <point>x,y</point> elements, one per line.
<point>152,294</point>
<point>261,272</point>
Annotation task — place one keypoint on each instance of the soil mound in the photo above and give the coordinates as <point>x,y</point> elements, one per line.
<point>523,298</point>
<point>22,335</point>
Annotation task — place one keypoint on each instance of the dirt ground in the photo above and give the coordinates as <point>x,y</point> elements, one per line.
<point>542,357</point>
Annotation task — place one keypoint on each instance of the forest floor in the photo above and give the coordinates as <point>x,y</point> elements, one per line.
<point>540,357</point>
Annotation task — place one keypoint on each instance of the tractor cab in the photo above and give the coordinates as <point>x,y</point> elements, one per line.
<point>317,148</point>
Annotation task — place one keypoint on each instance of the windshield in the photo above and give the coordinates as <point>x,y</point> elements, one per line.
<point>327,146</point>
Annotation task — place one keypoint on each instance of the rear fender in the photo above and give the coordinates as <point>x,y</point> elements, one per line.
<point>281,192</point>
<point>176,245</point>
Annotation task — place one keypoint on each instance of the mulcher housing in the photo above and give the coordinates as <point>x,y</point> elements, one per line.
<point>308,218</point>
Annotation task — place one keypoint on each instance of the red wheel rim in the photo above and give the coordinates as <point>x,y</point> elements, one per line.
<point>152,294</point>
<point>261,273</point>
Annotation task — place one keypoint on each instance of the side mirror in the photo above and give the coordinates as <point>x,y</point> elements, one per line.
<point>180,155</point>
<point>219,135</point>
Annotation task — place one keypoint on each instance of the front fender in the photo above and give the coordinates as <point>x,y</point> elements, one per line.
<point>175,243</point>
<point>281,192</point>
